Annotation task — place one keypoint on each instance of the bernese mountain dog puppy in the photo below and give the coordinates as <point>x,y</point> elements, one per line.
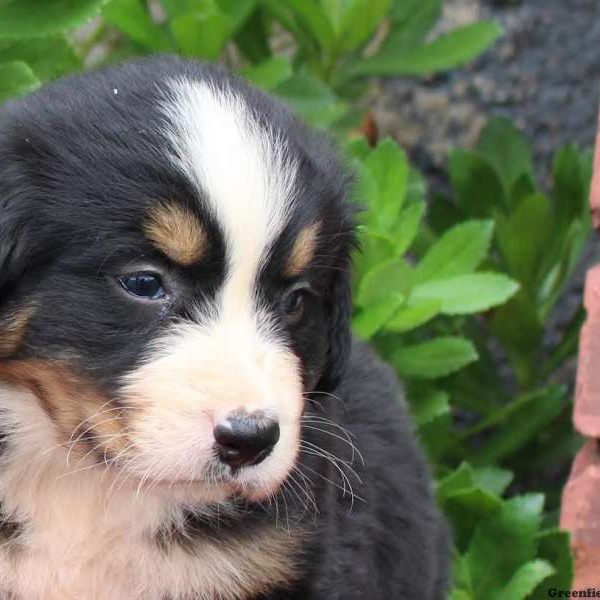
<point>184,414</point>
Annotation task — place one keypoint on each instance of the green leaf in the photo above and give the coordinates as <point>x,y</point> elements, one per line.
<point>385,279</point>
<point>312,18</point>
<point>518,327</point>
<point>434,358</point>
<point>443,213</point>
<point>411,21</point>
<point>458,251</point>
<point>312,98</point>
<point>507,150</point>
<point>269,73</point>
<point>374,250</point>
<point>238,11</point>
<point>174,8</point>
<point>561,263</point>
<point>431,407</point>
<point>253,37</point>
<point>569,342</point>
<point>404,232</point>
<point>413,314</point>
<point>465,508</point>
<point>553,546</point>
<point>447,51</point>
<point>16,79</point>
<point>432,415</point>
<point>308,46</point>
<point>465,502</point>
<point>534,412</point>
<point>202,34</point>
<point>525,580</point>
<point>569,191</point>
<point>384,184</point>
<point>132,18</point>
<point>466,294</point>
<point>368,321</point>
<point>523,252</point>
<point>462,478</point>
<point>460,595</point>
<point>357,148</point>
<point>476,185</point>
<point>48,57</point>
<point>516,525</point>
<point>354,21</point>
<point>36,18</point>
<point>493,479</point>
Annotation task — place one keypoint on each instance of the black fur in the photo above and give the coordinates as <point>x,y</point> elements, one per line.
<point>79,169</point>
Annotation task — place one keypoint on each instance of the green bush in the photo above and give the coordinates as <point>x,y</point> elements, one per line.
<point>450,299</point>
<point>318,55</point>
<point>457,291</point>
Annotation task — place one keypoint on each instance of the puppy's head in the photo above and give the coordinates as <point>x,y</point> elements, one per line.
<point>173,272</point>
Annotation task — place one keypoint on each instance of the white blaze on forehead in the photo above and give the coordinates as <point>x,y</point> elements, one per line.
<point>243,171</point>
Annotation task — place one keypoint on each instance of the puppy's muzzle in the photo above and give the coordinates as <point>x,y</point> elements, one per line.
<point>245,439</point>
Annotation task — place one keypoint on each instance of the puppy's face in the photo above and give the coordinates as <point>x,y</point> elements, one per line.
<point>173,274</point>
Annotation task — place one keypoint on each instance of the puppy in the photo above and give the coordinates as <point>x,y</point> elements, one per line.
<point>184,414</point>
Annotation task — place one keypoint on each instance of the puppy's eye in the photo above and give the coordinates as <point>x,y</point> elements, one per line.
<point>292,305</point>
<point>144,284</point>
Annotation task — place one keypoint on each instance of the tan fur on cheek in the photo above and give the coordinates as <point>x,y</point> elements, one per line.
<point>79,412</point>
<point>303,250</point>
<point>176,232</point>
<point>13,328</point>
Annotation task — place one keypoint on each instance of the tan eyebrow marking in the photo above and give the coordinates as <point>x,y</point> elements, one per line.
<point>303,250</point>
<point>177,232</point>
<point>13,328</point>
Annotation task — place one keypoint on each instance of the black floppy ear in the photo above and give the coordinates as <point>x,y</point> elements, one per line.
<point>8,250</point>
<point>14,195</point>
<point>339,311</point>
<point>12,246</point>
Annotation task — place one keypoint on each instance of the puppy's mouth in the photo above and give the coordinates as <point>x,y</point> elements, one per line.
<point>222,486</point>
<point>212,479</point>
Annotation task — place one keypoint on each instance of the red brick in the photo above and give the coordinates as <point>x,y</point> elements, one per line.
<point>595,189</point>
<point>581,515</point>
<point>587,393</point>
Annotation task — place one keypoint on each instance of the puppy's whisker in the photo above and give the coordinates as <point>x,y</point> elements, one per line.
<point>310,448</point>
<point>309,501</point>
<point>353,448</point>
<point>342,488</point>
<point>73,444</point>
<point>308,396</point>
<point>94,448</point>
<point>97,413</point>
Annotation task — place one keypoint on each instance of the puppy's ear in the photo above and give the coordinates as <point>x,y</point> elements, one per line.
<point>339,311</point>
<point>11,248</point>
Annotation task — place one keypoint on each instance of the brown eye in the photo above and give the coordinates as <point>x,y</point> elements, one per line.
<point>292,305</point>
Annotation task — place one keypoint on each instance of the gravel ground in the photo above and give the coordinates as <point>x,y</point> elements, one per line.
<point>544,73</point>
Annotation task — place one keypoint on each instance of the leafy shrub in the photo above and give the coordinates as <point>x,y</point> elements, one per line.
<point>316,54</point>
<point>501,248</point>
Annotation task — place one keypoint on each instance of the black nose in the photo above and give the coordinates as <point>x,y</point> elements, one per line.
<point>246,439</point>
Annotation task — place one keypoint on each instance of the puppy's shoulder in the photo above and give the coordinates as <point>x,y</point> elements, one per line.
<point>371,390</point>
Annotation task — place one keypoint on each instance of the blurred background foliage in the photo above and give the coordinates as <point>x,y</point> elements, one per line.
<point>457,289</point>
